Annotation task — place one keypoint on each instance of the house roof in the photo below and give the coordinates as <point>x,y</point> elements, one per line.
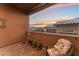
<point>70,21</point>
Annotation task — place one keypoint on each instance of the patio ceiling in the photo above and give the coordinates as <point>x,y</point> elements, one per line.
<point>31,8</point>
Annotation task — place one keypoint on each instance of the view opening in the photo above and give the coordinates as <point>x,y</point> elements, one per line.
<point>58,18</point>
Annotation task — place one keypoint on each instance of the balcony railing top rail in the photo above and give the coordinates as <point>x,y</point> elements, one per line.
<point>59,34</point>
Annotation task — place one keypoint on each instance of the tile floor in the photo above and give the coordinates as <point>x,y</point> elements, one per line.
<point>19,49</point>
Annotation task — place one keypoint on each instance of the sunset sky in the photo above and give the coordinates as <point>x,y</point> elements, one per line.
<point>56,11</point>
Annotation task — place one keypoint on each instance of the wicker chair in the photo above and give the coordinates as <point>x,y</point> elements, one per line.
<point>69,53</point>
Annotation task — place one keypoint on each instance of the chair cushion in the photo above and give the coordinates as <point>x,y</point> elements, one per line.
<point>53,52</point>
<point>60,48</point>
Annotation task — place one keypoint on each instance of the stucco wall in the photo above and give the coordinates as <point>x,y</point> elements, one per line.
<point>16,25</point>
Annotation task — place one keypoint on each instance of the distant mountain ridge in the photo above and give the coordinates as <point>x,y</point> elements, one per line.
<point>56,21</point>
